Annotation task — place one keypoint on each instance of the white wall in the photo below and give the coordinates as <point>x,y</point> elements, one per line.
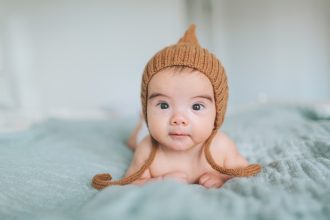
<point>275,50</point>
<point>76,57</point>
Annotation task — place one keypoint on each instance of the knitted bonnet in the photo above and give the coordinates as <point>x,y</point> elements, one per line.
<point>187,53</point>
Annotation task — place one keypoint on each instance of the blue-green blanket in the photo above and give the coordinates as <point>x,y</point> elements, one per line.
<point>46,171</point>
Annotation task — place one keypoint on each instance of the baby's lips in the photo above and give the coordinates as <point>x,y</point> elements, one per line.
<point>179,134</point>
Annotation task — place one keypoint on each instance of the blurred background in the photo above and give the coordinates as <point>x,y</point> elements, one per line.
<point>84,59</point>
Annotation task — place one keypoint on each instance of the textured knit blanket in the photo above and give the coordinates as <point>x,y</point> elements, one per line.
<point>46,171</point>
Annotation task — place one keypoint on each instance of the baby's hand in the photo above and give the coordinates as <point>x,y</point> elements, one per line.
<point>209,180</point>
<point>178,176</point>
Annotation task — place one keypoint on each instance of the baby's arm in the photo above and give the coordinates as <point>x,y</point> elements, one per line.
<point>141,154</point>
<point>232,159</point>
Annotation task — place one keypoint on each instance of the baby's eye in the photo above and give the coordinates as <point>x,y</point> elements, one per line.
<point>197,107</point>
<point>163,105</point>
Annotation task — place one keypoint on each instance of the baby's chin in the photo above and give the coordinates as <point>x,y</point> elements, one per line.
<point>179,144</point>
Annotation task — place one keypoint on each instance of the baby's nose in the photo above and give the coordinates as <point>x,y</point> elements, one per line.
<point>179,119</point>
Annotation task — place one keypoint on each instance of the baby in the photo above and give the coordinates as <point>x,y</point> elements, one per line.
<point>184,96</point>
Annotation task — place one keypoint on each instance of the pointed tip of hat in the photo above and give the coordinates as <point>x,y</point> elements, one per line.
<point>189,36</point>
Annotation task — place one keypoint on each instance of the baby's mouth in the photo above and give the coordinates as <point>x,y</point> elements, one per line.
<point>178,134</point>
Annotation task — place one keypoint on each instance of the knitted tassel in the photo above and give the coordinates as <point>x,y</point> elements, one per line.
<point>103,180</point>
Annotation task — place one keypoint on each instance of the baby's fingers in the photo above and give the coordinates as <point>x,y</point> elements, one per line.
<point>210,181</point>
<point>203,179</point>
<point>213,183</point>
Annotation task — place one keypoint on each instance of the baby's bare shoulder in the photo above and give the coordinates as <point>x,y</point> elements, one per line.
<point>223,144</point>
<point>226,151</point>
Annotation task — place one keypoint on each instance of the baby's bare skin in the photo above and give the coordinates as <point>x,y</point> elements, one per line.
<point>189,168</point>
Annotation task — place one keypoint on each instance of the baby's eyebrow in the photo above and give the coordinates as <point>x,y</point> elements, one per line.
<point>154,95</point>
<point>204,97</point>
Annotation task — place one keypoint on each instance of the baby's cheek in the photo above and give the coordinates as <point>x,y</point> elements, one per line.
<point>202,133</point>
<point>156,127</point>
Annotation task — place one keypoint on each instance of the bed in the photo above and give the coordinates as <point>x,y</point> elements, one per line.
<point>46,171</point>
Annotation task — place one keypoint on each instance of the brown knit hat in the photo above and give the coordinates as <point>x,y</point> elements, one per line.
<point>187,52</point>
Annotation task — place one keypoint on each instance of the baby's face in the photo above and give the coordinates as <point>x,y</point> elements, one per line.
<point>181,109</point>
